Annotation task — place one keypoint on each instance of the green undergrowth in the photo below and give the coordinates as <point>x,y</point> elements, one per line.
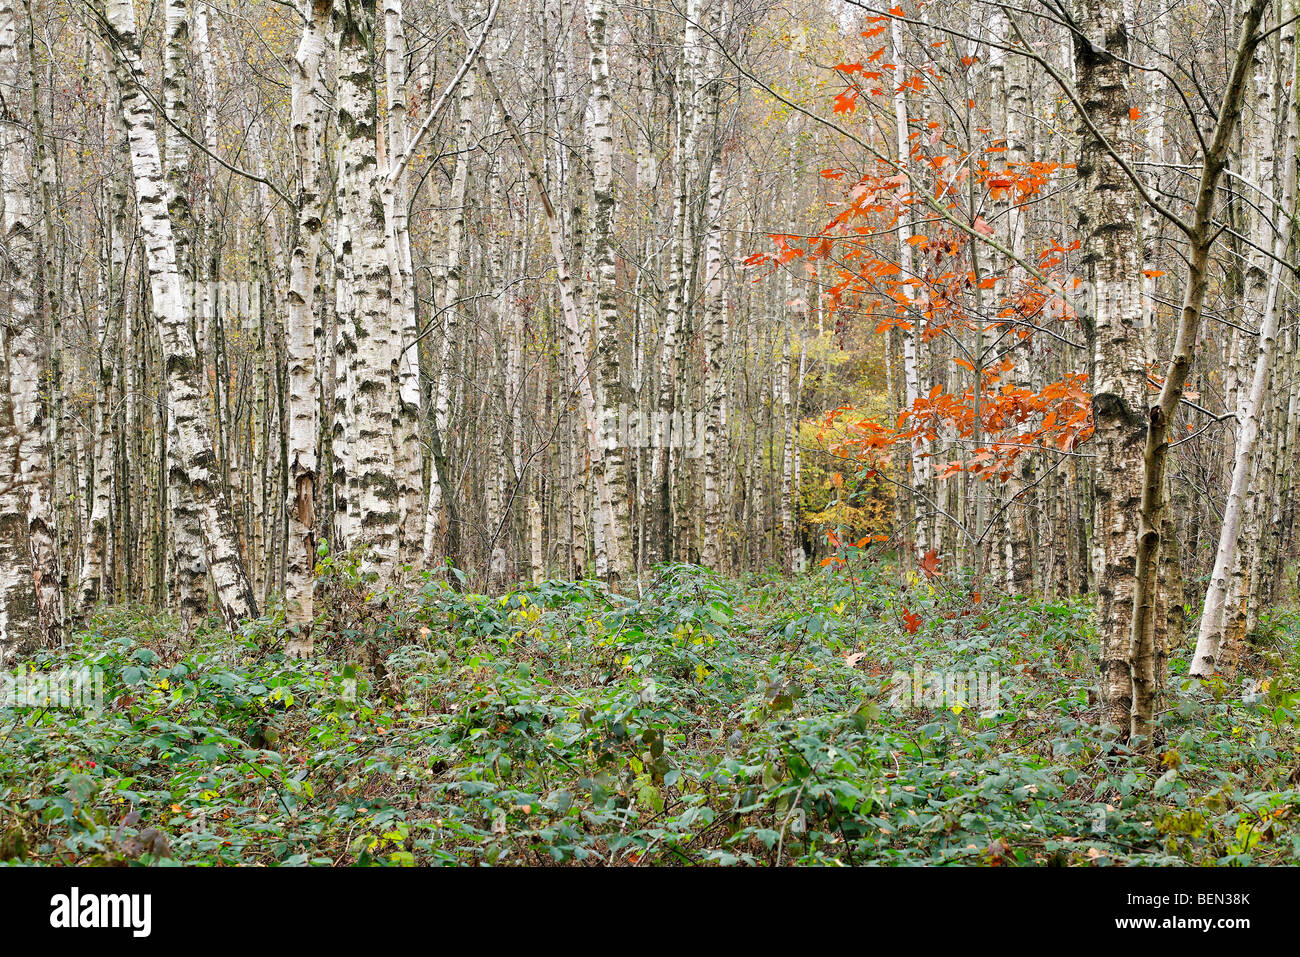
<point>705,721</point>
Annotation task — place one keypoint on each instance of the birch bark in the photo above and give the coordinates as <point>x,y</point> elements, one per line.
<point>26,346</point>
<point>230,581</point>
<point>613,457</point>
<point>308,120</point>
<point>372,348</point>
<point>1113,269</point>
<point>1210,632</point>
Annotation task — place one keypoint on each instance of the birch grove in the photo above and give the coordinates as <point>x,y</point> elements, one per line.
<point>402,294</point>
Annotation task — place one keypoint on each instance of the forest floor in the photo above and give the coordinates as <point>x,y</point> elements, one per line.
<point>707,722</point>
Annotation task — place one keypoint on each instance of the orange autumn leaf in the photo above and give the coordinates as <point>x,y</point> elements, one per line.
<point>930,563</point>
<point>847,101</point>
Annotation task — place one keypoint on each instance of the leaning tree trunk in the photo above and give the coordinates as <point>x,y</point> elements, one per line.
<point>1201,233</point>
<point>1212,615</point>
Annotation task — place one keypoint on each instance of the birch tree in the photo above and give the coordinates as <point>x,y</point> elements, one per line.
<point>1210,634</point>
<point>372,517</point>
<point>1201,233</point>
<point>1113,271</point>
<point>28,472</point>
<point>612,460</point>
<point>310,112</point>
<point>197,459</point>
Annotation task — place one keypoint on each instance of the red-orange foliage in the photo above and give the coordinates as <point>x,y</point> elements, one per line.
<point>857,250</point>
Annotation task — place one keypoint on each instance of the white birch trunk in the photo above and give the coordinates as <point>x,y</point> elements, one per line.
<point>911,337</point>
<point>21,629</point>
<point>308,129</point>
<point>371,521</point>
<point>406,413</point>
<point>1113,267</point>
<point>613,458</point>
<point>578,360</point>
<point>189,569</point>
<point>659,502</point>
<point>25,344</point>
<point>715,382</point>
<point>1210,633</point>
<point>436,517</point>
<point>234,594</point>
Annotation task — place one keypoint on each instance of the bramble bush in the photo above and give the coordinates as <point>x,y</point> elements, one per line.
<point>707,721</point>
